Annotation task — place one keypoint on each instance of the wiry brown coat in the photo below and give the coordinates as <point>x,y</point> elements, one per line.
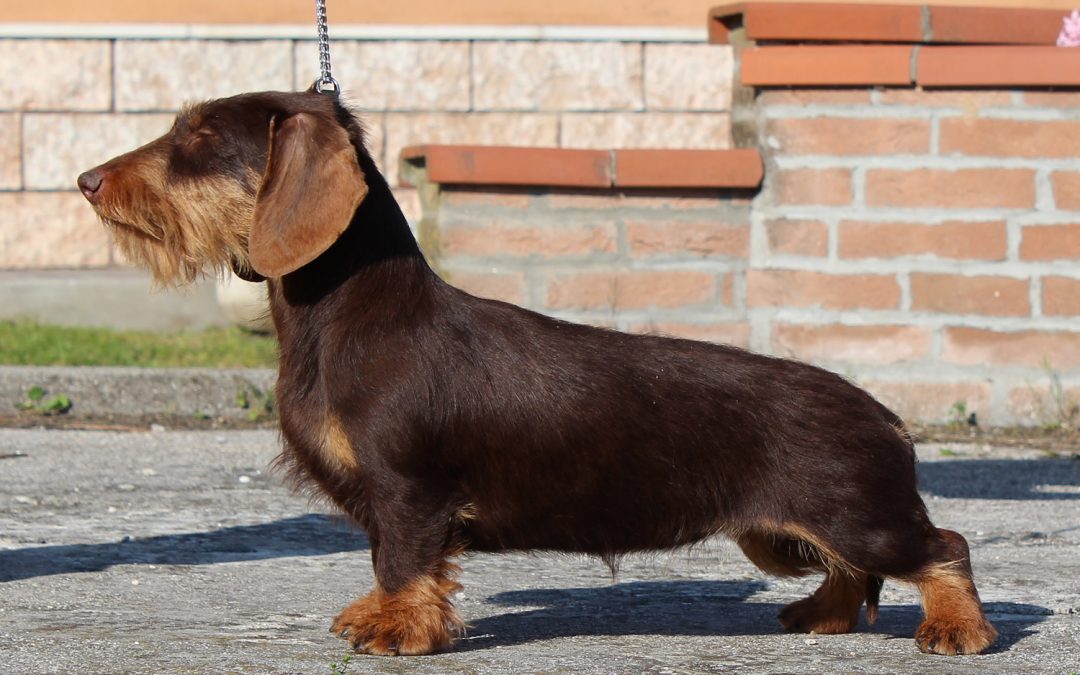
<point>444,423</point>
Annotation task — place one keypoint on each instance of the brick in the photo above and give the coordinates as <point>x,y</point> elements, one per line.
<point>1032,348</point>
<point>852,344</point>
<point>61,146</point>
<point>995,25</point>
<point>1046,407</point>
<point>557,76</point>
<point>728,290</point>
<point>508,165</point>
<point>816,96</point>
<point>1066,189</point>
<point>494,284</point>
<point>827,187</point>
<point>10,152</point>
<point>739,168</point>
<point>687,77</point>
<point>1052,99</point>
<point>394,74</point>
<point>962,188</point>
<point>519,240</point>
<point>1060,296</point>
<point>736,333</point>
<point>628,290</point>
<point>604,200</point>
<point>954,240</point>
<point>848,136</point>
<point>683,201</point>
<point>688,239</point>
<point>956,294</point>
<point>969,101</point>
<point>930,402</point>
<point>826,65</point>
<point>1010,138</point>
<point>994,66</point>
<point>406,129</point>
<point>797,288</point>
<point>797,237</point>
<point>50,229</point>
<point>832,23</point>
<point>55,75</point>
<point>469,198</point>
<point>165,74</point>
<point>1050,242</point>
<point>646,130</point>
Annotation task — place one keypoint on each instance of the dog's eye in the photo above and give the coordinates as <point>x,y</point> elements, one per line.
<point>199,136</point>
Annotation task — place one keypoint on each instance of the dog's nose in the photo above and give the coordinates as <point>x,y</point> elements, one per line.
<point>90,183</point>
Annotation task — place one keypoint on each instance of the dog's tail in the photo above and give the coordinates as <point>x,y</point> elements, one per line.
<point>873,595</point>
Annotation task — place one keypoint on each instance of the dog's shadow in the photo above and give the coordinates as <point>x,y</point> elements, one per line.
<point>685,608</point>
<point>307,535</point>
<point>1011,479</point>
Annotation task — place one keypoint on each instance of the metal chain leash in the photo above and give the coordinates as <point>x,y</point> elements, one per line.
<point>325,84</point>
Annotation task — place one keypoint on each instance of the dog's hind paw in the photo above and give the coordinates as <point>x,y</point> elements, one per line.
<point>809,615</point>
<point>955,637</point>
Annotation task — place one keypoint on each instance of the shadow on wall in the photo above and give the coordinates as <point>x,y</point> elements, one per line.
<point>306,535</point>
<point>1049,479</point>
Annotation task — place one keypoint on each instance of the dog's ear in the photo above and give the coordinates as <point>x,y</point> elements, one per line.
<point>309,191</point>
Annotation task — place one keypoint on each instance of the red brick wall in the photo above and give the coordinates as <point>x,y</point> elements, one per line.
<point>925,242</point>
<point>670,261</point>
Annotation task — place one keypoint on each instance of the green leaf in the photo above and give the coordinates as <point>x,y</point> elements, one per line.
<point>57,405</point>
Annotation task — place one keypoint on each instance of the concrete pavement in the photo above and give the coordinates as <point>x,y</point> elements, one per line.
<point>181,552</point>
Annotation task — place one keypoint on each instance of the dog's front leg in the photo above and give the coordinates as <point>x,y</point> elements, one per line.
<point>409,610</point>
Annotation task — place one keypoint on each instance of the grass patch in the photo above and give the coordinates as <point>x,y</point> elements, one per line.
<point>26,343</point>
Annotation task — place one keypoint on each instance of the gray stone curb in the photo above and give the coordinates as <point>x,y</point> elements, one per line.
<point>112,391</point>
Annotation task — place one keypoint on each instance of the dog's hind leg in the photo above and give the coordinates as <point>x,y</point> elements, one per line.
<point>955,622</point>
<point>409,611</point>
<point>909,549</point>
<point>937,561</point>
<point>834,606</point>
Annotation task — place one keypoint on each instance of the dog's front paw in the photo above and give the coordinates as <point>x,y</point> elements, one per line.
<point>955,637</point>
<point>416,620</point>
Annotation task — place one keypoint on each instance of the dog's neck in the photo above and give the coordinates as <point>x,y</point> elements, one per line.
<point>377,243</point>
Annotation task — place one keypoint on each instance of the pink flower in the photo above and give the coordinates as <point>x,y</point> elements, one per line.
<point>1070,32</point>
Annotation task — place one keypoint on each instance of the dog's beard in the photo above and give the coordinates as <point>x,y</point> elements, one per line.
<point>192,234</point>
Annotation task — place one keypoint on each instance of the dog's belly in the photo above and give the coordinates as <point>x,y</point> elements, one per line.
<point>589,538</point>
<point>620,510</point>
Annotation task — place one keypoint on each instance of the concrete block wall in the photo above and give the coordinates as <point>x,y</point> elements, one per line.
<point>68,104</point>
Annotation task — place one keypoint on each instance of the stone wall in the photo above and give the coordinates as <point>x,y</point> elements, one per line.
<point>68,104</point>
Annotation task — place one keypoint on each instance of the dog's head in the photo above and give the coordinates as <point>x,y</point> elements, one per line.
<point>263,183</point>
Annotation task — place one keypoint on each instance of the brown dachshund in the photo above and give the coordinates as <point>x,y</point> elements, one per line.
<point>445,423</point>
